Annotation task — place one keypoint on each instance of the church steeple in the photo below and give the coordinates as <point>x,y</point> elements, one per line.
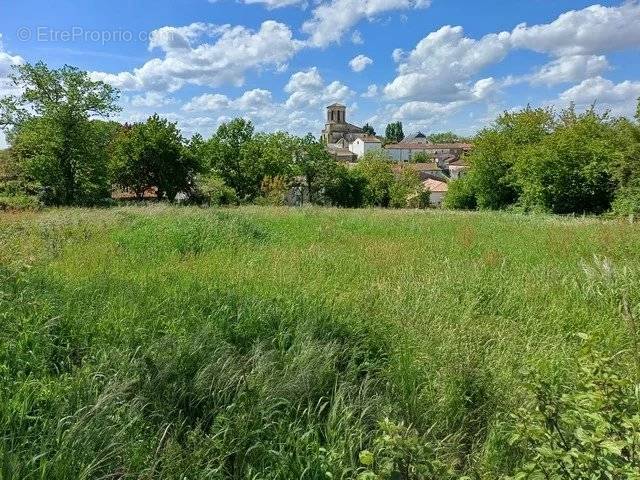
<point>336,113</point>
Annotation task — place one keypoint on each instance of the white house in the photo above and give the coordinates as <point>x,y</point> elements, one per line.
<point>458,169</point>
<point>403,151</point>
<point>438,190</point>
<point>364,144</point>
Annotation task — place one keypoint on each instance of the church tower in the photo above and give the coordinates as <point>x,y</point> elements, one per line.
<point>336,128</point>
<point>336,113</point>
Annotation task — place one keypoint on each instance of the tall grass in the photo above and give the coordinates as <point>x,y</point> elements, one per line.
<point>168,342</point>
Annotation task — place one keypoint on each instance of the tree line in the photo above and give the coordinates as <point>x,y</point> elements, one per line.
<point>565,162</point>
<point>64,150</point>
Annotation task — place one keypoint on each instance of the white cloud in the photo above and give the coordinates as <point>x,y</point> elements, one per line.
<point>331,20</point>
<point>372,91</point>
<point>273,4</point>
<point>301,112</point>
<point>223,61</point>
<point>571,68</point>
<point>621,98</point>
<point>207,102</point>
<point>7,60</point>
<point>442,64</point>
<point>590,31</point>
<point>307,89</point>
<point>356,38</point>
<point>151,100</point>
<point>359,63</point>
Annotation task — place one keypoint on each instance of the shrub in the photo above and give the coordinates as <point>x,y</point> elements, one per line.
<point>212,190</point>
<point>627,201</point>
<point>460,195</point>
<point>19,202</point>
<point>274,191</point>
<point>585,427</point>
<point>399,452</point>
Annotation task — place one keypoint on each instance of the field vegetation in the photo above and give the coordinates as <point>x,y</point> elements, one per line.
<point>273,343</point>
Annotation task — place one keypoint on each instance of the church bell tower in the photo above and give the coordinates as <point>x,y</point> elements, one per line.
<point>336,113</point>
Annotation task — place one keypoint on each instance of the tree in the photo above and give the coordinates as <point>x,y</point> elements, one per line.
<point>460,195</point>
<point>496,150</point>
<point>420,157</point>
<point>345,187</point>
<point>230,156</point>
<point>444,137</point>
<point>315,164</point>
<point>406,184</point>
<point>368,129</point>
<point>375,167</point>
<point>569,170</point>
<point>154,154</point>
<point>394,133</point>
<point>53,137</point>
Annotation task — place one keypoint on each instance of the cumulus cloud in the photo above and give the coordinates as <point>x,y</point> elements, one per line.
<point>7,60</point>
<point>590,31</point>
<point>620,98</point>
<point>307,89</point>
<point>359,63</point>
<point>300,113</point>
<point>151,100</point>
<point>331,20</point>
<point>273,4</point>
<point>356,38</point>
<point>442,64</point>
<point>372,91</point>
<point>570,68</point>
<point>232,51</point>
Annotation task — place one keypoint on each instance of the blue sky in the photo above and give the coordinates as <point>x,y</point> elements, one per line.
<point>435,65</point>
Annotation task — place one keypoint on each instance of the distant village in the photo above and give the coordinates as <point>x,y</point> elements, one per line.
<point>348,143</point>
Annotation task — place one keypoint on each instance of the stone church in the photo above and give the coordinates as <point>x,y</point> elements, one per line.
<point>336,129</point>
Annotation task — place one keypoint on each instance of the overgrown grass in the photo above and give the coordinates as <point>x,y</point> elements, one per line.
<point>167,342</point>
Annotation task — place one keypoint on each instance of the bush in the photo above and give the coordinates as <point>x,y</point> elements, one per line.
<point>19,202</point>
<point>460,195</point>
<point>585,427</point>
<point>212,190</point>
<point>627,201</point>
<point>274,191</point>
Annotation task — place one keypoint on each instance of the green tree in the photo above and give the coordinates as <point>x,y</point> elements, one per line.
<point>53,137</point>
<point>315,164</point>
<point>496,150</point>
<point>345,187</point>
<point>368,129</point>
<point>376,169</point>
<point>445,137</point>
<point>460,195</point>
<point>154,154</point>
<point>570,170</point>
<point>420,157</point>
<point>393,132</point>
<point>233,158</point>
<point>406,184</point>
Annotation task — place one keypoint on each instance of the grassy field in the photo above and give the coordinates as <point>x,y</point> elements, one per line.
<point>260,343</point>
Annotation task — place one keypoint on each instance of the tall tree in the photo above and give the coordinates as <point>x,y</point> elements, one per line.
<point>316,165</point>
<point>230,157</point>
<point>154,154</point>
<point>52,134</point>
<point>394,133</point>
<point>444,137</point>
<point>368,129</point>
<point>376,169</point>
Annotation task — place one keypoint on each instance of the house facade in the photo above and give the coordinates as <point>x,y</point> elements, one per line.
<point>364,144</point>
<point>403,152</point>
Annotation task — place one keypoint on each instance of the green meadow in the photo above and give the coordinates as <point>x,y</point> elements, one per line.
<point>274,343</point>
